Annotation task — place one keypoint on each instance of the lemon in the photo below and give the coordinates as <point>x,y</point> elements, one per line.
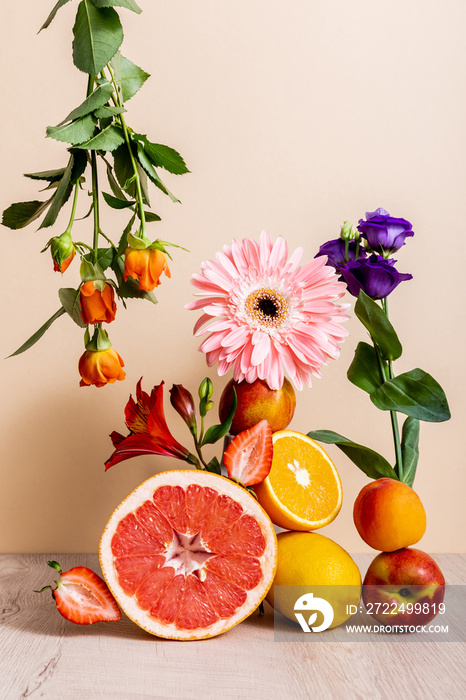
<point>312,563</point>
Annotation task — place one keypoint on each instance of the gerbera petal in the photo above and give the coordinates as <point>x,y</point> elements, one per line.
<point>237,336</point>
<point>279,253</point>
<point>265,248</point>
<point>261,348</point>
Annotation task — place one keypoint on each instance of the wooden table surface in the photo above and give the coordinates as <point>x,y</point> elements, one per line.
<point>44,656</point>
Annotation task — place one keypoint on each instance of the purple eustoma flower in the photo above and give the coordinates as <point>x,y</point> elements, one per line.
<point>385,234</point>
<point>335,252</point>
<point>375,275</point>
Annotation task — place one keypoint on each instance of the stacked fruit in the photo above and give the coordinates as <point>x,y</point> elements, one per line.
<point>301,493</point>
<point>403,585</point>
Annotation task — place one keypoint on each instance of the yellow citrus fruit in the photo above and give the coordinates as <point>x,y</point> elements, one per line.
<point>303,490</point>
<point>312,563</point>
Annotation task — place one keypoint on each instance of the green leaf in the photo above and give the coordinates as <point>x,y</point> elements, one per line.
<point>48,175</point>
<point>415,394</point>
<point>107,112</point>
<point>410,449</point>
<point>150,216</point>
<point>364,370</point>
<point>370,462</point>
<point>130,290</point>
<point>128,4</point>
<point>129,77</point>
<point>216,432</point>
<point>70,301</point>
<point>97,36</point>
<point>123,243</point>
<point>116,202</point>
<point>51,16</point>
<point>107,140</point>
<point>149,168</point>
<point>96,99</point>
<point>163,156</point>
<point>61,195</point>
<point>105,257</point>
<point>214,466</point>
<point>74,133</point>
<point>125,174</point>
<point>381,330</point>
<point>38,334</point>
<point>20,214</point>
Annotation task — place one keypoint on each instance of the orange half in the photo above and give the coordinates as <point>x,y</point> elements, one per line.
<point>303,490</point>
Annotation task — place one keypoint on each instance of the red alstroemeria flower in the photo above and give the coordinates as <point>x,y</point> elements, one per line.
<point>149,433</point>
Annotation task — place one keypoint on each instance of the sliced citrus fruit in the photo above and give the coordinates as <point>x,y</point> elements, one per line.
<point>303,489</point>
<point>188,554</point>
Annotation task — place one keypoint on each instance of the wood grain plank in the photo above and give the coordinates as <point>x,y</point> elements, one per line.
<point>43,656</point>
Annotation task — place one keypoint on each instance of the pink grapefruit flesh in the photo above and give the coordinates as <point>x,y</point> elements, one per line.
<point>188,554</point>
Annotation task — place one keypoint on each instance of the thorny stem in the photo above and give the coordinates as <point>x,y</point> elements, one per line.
<point>137,179</point>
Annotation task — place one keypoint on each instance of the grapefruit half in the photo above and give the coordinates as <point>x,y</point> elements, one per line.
<point>188,554</point>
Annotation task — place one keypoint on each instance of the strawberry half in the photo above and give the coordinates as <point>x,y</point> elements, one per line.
<point>82,596</point>
<point>248,457</point>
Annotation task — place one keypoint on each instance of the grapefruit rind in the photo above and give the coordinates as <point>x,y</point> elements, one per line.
<point>278,511</point>
<point>184,478</point>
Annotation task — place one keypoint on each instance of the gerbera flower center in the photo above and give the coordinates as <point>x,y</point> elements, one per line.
<point>267,307</point>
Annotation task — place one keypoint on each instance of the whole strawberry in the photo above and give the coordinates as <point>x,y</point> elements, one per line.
<point>83,597</point>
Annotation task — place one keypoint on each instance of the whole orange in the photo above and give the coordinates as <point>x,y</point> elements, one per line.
<point>389,515</point>
<point>256,401</point>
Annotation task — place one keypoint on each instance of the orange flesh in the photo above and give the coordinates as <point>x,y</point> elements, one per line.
<point>295,463</point>
<point>188,556</point>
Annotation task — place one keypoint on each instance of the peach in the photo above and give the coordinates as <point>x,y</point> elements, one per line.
<point>256,402</point>
<point>389,515</point>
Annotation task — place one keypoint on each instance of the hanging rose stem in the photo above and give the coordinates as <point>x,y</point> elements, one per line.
<point>118,103</point>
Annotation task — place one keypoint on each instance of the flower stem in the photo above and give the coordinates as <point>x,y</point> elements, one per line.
<point>95,183</point>
<point>95,199</point>
<point>137,179</point>
<point>73,209</point>
<point>393,414</point>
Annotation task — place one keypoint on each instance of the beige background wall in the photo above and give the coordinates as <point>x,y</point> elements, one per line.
<point>292,117</point>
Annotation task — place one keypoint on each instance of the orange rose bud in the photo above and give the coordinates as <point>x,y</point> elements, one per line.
<point>63,252</point>
<point>97,306</point>
<point>147,264</point>
<point>100,367</point>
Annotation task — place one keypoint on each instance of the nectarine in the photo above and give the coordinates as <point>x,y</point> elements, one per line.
<point>389,515</point>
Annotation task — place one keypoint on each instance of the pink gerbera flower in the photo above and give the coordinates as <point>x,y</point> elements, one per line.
<point>267,314</point>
